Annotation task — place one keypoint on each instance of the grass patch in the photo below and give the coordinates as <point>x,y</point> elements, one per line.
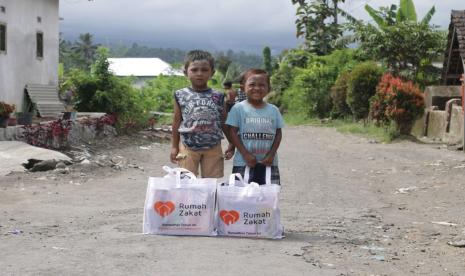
<point>345,126</point>
<point>299,119</point>
<point>369,130</point>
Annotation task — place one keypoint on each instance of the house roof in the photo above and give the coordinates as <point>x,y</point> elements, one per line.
<point>458,21</point>
<point>454,57</point>
<point>141,67</point>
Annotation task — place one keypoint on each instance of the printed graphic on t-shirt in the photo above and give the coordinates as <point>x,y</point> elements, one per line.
<point>258,133</point>
<point>201,117</point>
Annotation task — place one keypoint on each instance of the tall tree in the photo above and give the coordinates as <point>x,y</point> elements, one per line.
<point>86,48</point>
<point>404,44</point>
<point>317,23</point>
<point>390,16</point>
<point>222,64</point>
<point>267,60</point>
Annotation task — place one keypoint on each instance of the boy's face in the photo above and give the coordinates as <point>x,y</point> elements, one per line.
<point>256,87</point>
<point>199,72</point>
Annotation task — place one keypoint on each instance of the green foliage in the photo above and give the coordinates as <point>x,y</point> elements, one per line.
<point>100,91</point>
<point>339,96</point>
<point>393,15</point>
<point>405,46</point>
<point>361,87</point>
<point>315,83</point>
<point>267,60</point>
<point>296,58</point>
<point>85,49</point>
<point>307,89</point>
<point>285,73</point>
<point>312,25</point>
<point>233,73</point>
<point>222,63</point>
<point>157,94</point>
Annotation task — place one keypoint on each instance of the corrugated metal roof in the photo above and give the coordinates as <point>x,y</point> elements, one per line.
<point>141,67</point>
<point>46,99</point>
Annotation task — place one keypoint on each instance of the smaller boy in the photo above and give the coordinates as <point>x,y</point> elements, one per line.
<point>255,129</point>
<point>198,122</point>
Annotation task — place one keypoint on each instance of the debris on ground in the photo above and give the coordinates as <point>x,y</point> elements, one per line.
<point>445,223</point>
<point>460,243</point>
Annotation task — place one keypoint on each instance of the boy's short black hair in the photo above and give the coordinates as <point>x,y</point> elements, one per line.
<point>227,84</point>
<point>195,55</point>
<point>254,71</point>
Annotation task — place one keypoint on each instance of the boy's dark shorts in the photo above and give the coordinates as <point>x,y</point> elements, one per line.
<point>257,175</point>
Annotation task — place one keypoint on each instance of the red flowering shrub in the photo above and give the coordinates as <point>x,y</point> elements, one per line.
<point>397,100</point>
<point>6,109</point>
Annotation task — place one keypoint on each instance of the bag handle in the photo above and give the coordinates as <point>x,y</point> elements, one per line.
<point>267,175</point>
<point>249,189</point>
<point>232,179</point>
<point>177,173</point>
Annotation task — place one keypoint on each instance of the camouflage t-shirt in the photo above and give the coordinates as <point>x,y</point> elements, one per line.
<point>201,117</point>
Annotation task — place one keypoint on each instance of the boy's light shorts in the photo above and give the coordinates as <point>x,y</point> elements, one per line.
<point>211,161</point>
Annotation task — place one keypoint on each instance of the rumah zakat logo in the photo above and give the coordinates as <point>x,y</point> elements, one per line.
<point>229,217</point>
<point>164,208</point>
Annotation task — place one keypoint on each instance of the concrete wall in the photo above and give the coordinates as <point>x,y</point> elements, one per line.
<point>440,94</point>
<point>19,65</point>
<point>455,134</point>
<point>434,124</point>
<point>437,123</point>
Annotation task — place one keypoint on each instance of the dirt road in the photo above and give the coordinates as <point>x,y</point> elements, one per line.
<point>349,206</point>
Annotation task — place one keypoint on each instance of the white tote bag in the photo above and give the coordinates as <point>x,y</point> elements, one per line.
<point>180,204</point>
<point>248,209</point>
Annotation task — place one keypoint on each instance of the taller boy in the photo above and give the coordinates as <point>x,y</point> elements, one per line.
<point>199,117</point>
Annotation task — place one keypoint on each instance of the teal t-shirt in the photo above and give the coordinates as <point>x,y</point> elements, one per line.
<point>257,129</point>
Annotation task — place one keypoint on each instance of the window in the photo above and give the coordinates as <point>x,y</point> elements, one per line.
<point>2,37</point>
<point>3,9</point>
<point>40,45</point>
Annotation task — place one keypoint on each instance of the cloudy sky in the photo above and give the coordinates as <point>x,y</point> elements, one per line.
<point>247,25</point>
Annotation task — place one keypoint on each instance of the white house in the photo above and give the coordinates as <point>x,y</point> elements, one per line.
<point>29,38</point>
<point>142,69</point>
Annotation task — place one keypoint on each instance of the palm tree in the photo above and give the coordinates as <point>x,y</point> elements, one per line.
<point>390,16</point>
<point>85,48</point>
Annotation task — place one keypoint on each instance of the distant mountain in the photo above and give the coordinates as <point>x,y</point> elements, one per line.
<point>174,55</point>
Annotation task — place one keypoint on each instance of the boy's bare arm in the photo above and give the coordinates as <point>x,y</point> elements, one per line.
<point>268,160</point>
<point>249,158</point>
<point>229,153</point>
<point>175,133</point>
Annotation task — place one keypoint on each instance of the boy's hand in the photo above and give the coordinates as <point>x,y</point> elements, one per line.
<point>173,155</point>
<point>267,161</point>
<point>250,160</point>
<point>228,154</point>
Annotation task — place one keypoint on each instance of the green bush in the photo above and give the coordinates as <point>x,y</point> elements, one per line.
<point>339,95</point>
<point>100,91</point>
<point>157,94</point>
<point>312,84</point>
<point>361,87</point>
<point>315,83</point>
